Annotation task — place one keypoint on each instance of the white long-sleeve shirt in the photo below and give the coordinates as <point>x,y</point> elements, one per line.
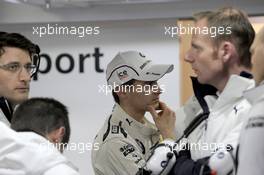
<point>29,154</point>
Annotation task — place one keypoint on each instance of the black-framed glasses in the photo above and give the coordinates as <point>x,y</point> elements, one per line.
<point>17,67</point>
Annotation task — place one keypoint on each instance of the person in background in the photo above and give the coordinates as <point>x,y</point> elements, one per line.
<point>127,138</point>
<point>251,144</point>
<point>43,131</point>
<point>213,118</point>
<point>19,60</point>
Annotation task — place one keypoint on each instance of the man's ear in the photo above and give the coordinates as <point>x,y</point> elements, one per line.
<point>56,135</point>
<point>227,50</point>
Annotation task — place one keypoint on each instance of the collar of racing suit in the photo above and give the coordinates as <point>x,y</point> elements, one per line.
<point>202,90</point>
<point>256,94</point>
<point>6,108</point>
<point>130,125</point>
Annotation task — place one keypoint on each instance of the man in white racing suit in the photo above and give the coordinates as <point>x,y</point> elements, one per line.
<point>212,120</point>
<point>251,143</point>
<point>127,138</point>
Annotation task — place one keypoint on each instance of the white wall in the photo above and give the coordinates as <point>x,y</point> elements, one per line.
<point>79,91</point>
<point>13,13</point>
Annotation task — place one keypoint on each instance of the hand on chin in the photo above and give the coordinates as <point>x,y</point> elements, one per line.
<point>155,105</point>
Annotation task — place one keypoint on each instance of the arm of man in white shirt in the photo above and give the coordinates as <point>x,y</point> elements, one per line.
<point>61,169</point>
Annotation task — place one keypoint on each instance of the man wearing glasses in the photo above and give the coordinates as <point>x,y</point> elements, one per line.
<point>19,60</point>
<point>18,63</point>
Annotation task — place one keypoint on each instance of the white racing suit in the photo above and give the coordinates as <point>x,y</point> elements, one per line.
<point>125,147</point>
<point>251,149</point>
<point>212,124</point>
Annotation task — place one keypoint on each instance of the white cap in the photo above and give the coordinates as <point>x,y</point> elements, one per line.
<point>134,65</point>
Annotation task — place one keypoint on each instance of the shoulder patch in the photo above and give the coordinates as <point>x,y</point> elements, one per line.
<point>127,149</point>
<point>115,129</point>
<point>255,122</point>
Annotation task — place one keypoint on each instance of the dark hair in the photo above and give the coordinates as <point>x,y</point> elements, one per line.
<point>19,41</point>
<point>242,33</point>
<point>42,116</point>
<point>116,98</point>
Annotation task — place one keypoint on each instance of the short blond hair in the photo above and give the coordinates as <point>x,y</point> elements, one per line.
<point>242,33</point>
<point>202,15</point>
